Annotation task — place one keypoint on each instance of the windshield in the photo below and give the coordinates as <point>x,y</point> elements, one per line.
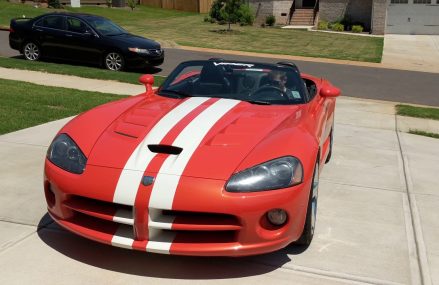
<point>253,82</point>
<point>105,27</point>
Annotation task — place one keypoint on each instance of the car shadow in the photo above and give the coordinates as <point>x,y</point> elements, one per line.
<point>158,265</point>
<point>145,70</point>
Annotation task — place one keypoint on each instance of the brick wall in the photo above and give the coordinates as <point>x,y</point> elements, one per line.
<point>332,10</point>
<point>379,13</point>
<point>264,8</point>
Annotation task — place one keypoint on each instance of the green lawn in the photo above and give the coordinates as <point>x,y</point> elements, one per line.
<point>425,134</point>
<point>24,105</point>
<point>77,70</point>
<point>81,71</point>
<point>418,112</point>
<point>189,29</point>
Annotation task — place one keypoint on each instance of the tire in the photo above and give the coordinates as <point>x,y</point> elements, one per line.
<point>311,212</point>
<point>114,61</point>
<point>331,140</point>
<point>31,51</point>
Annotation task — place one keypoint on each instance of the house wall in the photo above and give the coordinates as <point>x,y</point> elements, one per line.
<point>264,8</point>
<point>371,13</point>
<point>379,13</point>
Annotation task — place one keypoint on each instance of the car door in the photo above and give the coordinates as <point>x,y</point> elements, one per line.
<point>320,111</point>
<point>83,42</point>
<point>49,33</point>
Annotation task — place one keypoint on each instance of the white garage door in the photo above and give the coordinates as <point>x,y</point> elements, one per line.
<point>415,17</point>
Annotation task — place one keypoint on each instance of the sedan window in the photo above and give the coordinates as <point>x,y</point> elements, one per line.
<point>52,22</point>
<point>76,25</point>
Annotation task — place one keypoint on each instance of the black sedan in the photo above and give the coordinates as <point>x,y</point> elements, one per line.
<point>84,38</point>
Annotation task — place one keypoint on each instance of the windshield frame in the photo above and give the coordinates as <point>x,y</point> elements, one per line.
<point>287,69</point>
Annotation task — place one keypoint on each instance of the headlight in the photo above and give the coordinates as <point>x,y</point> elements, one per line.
<point>139,50</point>
<point>274,174</point>
<point>64,153</point>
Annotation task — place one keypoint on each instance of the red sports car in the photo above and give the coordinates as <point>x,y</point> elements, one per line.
<point>222,160</point>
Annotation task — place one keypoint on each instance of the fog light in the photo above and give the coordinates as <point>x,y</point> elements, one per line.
<point>277,217</point>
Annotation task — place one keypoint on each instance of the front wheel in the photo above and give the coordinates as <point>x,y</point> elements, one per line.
<point>114,61</point>
<point>311,212</point>
<point>31,51</point>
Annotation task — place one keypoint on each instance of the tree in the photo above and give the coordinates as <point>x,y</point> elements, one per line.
<point>230,11</point>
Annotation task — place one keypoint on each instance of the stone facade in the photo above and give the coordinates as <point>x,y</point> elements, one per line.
<point>264,8</point>
<point>370,13</point>
<point>379,13</point>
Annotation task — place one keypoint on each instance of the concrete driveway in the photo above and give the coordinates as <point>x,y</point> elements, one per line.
<point>412,52</point>
<point>377,219</point>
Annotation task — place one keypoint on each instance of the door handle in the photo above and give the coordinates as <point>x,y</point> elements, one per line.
<point>69,35</point>
<point>38,30</point>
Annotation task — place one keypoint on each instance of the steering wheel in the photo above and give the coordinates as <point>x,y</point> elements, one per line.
<point>274,89</point>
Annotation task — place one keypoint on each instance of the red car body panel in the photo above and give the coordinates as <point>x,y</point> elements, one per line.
<point>199,217</point>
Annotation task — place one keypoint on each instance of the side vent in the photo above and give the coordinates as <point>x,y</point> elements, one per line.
<point>167,149</point>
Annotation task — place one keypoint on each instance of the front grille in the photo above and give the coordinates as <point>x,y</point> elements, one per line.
<point>102,210</point>
<point>119,221</point>
<point>155,51</point>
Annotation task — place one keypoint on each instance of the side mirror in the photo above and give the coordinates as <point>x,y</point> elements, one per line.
<point>148,81</point>
<point>329,91</point>
<point>88,34</point>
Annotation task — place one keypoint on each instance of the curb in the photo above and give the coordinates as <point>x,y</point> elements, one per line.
<point>4,28</point>
<point>283,56</point>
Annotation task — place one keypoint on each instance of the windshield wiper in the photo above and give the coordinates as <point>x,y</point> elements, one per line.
<point>175,93</point>
<point>257,102</point>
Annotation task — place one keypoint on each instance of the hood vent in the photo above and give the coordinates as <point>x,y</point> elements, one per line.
<point>167,149</point>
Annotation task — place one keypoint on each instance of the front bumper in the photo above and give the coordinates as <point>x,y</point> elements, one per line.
<point>205,220</point>
<point>141,60</point>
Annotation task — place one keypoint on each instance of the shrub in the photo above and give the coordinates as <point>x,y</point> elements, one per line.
<point>215,10</point>
<point>206,19</point>
<point>357,29</point>
<point>108,2</point>
<point>246,17</point>
<point>270,20</point>
<point>132,4</point>
<point>323,25</point>
<point>337,27</point>
<point>54,4</point>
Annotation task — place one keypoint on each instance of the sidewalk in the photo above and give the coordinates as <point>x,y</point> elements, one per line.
<point>377,220</point>
<point>74,82</point>
<point>412,52</point>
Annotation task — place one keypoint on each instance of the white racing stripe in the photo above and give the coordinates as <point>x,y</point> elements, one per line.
<point>132,173</point>
<point>167,180</point>
<point>123,237</point>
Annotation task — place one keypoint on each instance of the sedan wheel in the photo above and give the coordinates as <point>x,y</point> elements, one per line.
<point>114,61</point>
<point>31,51</point>
<point>311,213</point>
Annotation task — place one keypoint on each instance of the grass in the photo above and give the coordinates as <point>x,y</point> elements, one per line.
<point>184,28</point>
<point>24,105</point>
<point>418,112</point>
<point>81,71</point>
<point>422,133</point>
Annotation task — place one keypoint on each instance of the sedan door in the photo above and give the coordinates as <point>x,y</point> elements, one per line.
<point>83,42</point>
<point>49,34</point>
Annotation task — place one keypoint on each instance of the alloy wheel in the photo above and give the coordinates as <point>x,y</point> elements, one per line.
<point>31,51</point>
<point>114,61</point>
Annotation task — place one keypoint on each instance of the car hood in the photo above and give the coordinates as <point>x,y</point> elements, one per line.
<point>135,41</point>
<point>217,153</point>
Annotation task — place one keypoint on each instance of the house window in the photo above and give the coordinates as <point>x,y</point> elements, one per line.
<point>421,1</point>
<point>399,1</point>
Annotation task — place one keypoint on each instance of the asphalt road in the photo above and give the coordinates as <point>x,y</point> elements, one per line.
<point>355,81</point>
